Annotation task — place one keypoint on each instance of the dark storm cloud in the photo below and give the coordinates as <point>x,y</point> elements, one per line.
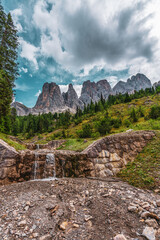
<point>123,38</point>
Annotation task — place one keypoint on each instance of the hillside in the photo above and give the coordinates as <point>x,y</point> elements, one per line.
<point>122,112</point>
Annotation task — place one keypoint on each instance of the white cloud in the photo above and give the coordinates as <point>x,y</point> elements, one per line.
<point>16,13</point>
<point>112,34</point>
<point>112,80</point>
<point>78,88</point>
<point>63,88</point>
<point>38,93</point>
<point>22,87</point>
<point>80,34</point>
<point>29,52</point>
<point>25,70</point>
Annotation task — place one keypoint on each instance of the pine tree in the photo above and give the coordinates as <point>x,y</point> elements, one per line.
<point>8,67</point>
<point>5,101</point>
<point>8,51</point>
<point>2,22</point>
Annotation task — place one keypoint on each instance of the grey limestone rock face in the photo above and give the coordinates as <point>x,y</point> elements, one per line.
<point>50,98</point>
<point>156,84</point>
<point>21,109</point>
<point>92,91</point>
<point>71,98</point>
<point>135,83</point>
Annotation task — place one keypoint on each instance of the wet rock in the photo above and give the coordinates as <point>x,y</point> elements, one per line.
<point>75,225</point>
<point>88,217</point>
<point>45,237</point>
<point>151,223</point>
<point>63,225</point>
<point>119,237</point>
<point>22,223</point>
<point>149,233</point>
<point>35,235</point>
<point>133,208</point>
<point>149,214</point>
<point>158,203</point>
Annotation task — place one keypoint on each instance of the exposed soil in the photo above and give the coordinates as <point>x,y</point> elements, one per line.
<point>73,209</point>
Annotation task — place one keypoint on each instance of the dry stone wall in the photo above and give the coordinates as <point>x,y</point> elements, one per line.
<point>111,153</point>
<point>103,158</point>
<point>50,145</point>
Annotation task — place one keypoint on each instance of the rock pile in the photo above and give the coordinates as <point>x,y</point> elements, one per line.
<point>78,209</point>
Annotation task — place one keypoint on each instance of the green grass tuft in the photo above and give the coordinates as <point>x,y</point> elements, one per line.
<point>76,144</point>
<point>12,143</point>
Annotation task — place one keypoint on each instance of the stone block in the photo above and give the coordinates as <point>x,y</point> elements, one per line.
<point>9,162</point>
<point>108,166</point>
<point>3,173</point>
<point>117,164</point>
<point>104,154</point>
<point>115,170</point>
<point>102,160</point>
<point>99,167</point>
<point>114,157</point>
<point>108,172</point>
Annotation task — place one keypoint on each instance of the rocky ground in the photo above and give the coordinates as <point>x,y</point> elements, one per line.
<point>76,209</point>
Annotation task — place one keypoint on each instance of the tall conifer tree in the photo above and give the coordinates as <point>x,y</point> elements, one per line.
<point>8,66</point>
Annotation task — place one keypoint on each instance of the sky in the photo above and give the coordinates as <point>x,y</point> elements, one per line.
<point>71,41</point>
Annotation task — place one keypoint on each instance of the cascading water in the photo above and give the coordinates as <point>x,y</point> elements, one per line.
<point>36,165</point>
<point>50,168</point>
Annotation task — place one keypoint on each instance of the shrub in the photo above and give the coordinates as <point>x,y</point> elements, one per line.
<point>127,123</point>
<point>104,126</point>
<point>85,132</point>
<point>154,112</point>
<point>95,135</point>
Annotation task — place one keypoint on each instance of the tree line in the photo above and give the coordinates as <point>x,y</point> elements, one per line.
<point>8,67</point>
<point>32,125</point>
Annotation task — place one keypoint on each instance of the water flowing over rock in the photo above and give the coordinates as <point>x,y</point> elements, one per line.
<point>50,166</point>
<point>36,163</point>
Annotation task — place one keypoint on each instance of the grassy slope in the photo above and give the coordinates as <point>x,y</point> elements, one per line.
<point>119,110</point>
<point>144,171</point>
<point>12,143</point>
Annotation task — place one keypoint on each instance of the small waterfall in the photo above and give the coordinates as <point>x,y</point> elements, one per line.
<point>36,164</point>
<point>50,167</point>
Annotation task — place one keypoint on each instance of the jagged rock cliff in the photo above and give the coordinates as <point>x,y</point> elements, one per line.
<point>51,99</point>
<point>71,98</point>
<point>21,109</point>
<point>138,82</point>
<point>156,84</point>
<point>93,91</point>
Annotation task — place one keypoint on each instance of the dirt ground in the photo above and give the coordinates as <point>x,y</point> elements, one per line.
<point>75,209</point>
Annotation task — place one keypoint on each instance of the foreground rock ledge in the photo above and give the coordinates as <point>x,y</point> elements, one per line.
<point>76,209</point>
